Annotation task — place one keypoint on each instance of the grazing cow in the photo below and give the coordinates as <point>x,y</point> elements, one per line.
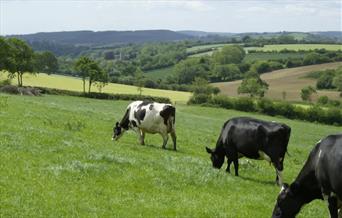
<point>320,178</point>
<point>148,117</point>
<point>251,138</point>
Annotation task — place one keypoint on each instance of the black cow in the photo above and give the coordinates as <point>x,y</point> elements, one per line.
<point>252,138</point>
<point>320,178</point>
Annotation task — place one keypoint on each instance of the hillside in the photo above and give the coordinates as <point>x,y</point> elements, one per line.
<point>58,160</point>
<point>103,37</point>
<point>289,80</point>
<point>75,84</point>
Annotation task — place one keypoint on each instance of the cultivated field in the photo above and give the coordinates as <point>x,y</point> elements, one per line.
<point>75,84</point>
<point>201,47</point>
<point>277,47</point>
<point>57,160</point>
<point>297,47</point>
<point>289,80</point>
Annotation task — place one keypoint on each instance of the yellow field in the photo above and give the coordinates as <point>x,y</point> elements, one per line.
<point>290,81</point>
<point>297,47</point>
<point>75,84</point>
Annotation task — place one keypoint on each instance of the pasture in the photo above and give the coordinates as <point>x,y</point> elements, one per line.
<point>75,84</point>
<point>268,48</point>
<point>58,160</point>
<point>290,80</point>
<point>162,73</point>
<point>297,47</point>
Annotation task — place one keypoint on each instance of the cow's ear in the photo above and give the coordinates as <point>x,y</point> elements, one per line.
<point>209,150</point>
<point>117,124</point>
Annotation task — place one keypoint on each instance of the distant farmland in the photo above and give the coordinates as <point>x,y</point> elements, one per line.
<point>295,47</point>
<point>75,84</point>
<point>289,80</point>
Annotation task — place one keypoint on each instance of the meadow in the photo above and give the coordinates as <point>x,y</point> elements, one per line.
<point>290,80</point>
<point>162,73</point>
<point>58,160</point>
<point>75,84</point>
<point>269,48</point>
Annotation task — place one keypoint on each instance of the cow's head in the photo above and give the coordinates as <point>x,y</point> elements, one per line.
<point>217,158</point>
<point>288,202</point>
<point>117,131</point>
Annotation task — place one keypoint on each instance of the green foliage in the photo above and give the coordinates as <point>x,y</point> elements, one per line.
<point>19,57</point>
<point>139,80</point>
<point>45,62</point>
<point>89,69</point>
<point>323,100</point>
<point>230,54</point>
<point>253,85</point>
<point>337,81</point>
<point>187,70</point>
<point>261,67</point>
<point>227,72</point>
<point>307,92</point>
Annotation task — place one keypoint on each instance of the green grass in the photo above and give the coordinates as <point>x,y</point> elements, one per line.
<point>57,160</point>
<point>75,84</point>
<point>271,56</point>
<point>201,47</point>
<point>162,73</point>
<point>296,47</point>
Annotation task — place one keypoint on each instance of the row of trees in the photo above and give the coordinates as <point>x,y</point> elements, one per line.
<point>18,58</point>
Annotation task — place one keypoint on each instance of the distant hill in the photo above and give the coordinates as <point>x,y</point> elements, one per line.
<point>91,38</point>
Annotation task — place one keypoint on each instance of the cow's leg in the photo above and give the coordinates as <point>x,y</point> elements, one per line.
<point>165,139</point>
<point>174,139</point>
<point>236,166</point>
<point>142,137</point>
<point>229,161</point>
<point>279,177</point>
<point>332,204</point>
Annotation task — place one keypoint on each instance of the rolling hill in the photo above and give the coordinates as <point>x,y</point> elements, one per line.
<point>104,37</point>
<point>289,80</point>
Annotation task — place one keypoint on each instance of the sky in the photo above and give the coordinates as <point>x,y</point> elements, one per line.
<point>26,16</point>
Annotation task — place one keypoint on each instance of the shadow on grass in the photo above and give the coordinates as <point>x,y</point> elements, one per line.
<point>258,181</point>
<point>168,148</point>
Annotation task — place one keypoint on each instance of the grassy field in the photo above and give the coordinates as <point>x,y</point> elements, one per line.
<point>75,84</point>
<point>201,47</point>
<point>58,160</point>
<point>289,80</point>
<point>162,73</point>
<point>297,47</point>
<point>271,56</point>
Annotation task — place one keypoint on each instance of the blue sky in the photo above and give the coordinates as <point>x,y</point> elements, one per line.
<point>21,17</point>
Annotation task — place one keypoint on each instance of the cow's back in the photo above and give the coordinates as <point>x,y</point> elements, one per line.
<point>328,167</point>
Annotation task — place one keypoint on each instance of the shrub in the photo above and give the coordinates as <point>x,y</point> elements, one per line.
<point>244,104</point>
<point>199,99</point>
<point>222,101</point>
<point>5,82</point>
<point>266,106</point>
<point>323,100</point>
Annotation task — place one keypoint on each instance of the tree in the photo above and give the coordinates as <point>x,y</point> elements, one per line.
<point>82,66</point>
<point>101,79</point>
<point>139,80</point>
<point>46,62</point>
<point>187,70</point>
<point>306,93</point>
<point>253,85</point>
<point>88,68</point>
<point>261,67</point>
<point>227,72</point>
<point>230,54</point>
<point>337,82</point>
<point>19,60</point>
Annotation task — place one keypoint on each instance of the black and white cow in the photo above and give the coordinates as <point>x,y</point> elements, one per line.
<point>251,138</point>
<point>148,117</point>
<point>320,178</point>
